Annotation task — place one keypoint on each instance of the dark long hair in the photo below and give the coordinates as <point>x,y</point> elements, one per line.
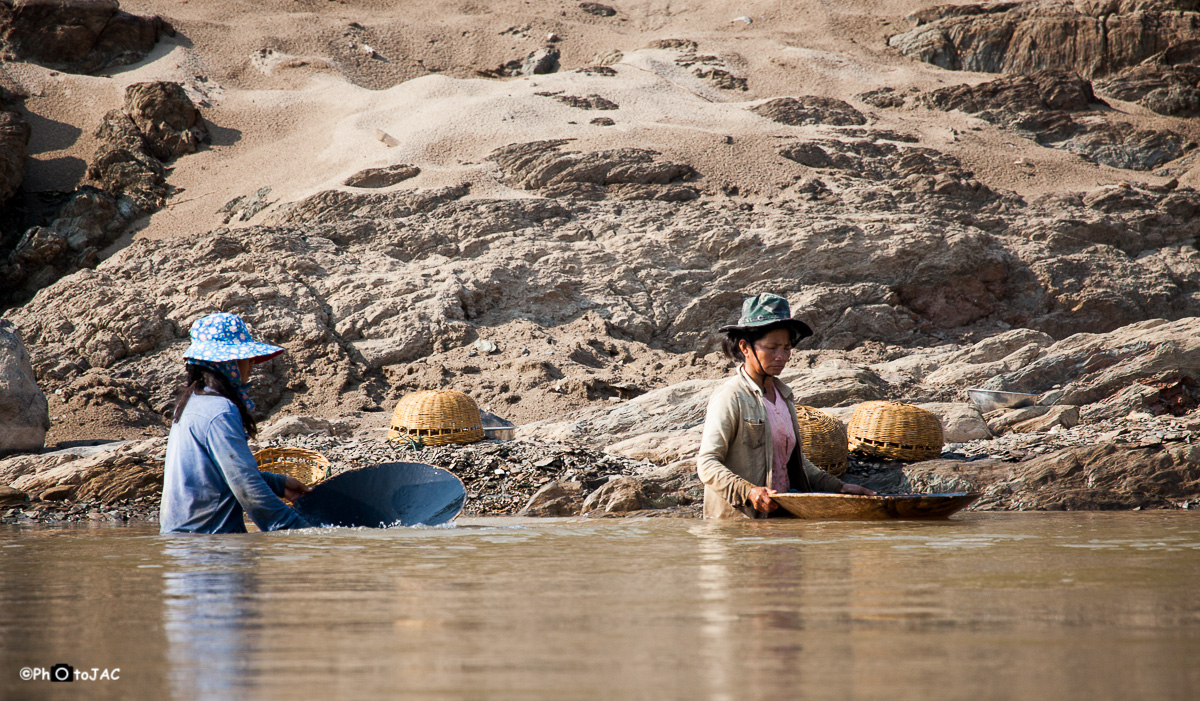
<point>197,379</point>
<point>729,344</point>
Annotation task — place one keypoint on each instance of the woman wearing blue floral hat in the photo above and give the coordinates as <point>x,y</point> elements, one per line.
<point>751,448</point>
<point>211,476</point>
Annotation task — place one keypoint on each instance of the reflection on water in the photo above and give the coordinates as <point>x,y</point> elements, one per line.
<point>207,594</point>
<point>981,606</point>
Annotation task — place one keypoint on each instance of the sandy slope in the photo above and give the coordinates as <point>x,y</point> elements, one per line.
<point>293,100</point>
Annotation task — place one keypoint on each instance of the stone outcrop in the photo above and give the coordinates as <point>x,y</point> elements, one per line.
<point>126,179</point>
<point>627,173</point>
<point>1144,52</point>
<point>1147,366</point>
<point>14,140</point>
<point>383,177</point>
<point>800,111</point>
<point>1051,107</point>
<point>78,37</point>
<point>1091,39</point>
<point>916,169</point>
<point>129,471</point>
<point>1101,477</point>
<point>24,412</point>
<point>1166,89</point>
<point>169,123</point>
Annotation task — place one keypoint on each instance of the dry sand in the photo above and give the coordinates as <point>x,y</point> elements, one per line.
<point>293,100</point>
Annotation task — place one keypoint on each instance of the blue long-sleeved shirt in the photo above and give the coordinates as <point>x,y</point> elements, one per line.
<point>211,475</point>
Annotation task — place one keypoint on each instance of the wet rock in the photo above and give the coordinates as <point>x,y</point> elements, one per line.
<point>79,37</point>
<point>14,140</point>
<point>671,487</point>
<point>1107,476</point>
<point>558,498</point>
<point>800,111</point>
<point>382,177</point>
<point>24,412</point>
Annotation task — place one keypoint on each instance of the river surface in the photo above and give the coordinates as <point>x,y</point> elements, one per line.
<point>982,606</point>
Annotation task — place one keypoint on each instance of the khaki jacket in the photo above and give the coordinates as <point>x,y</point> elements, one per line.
<point>736,450</point>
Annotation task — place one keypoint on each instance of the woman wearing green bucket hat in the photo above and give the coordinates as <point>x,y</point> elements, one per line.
<point>211,477</point>
<point>751,446</point>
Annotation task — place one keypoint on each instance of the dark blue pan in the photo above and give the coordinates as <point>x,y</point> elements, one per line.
<point>380,496</point>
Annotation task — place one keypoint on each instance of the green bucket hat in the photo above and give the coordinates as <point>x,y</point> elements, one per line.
<point>768,310</point>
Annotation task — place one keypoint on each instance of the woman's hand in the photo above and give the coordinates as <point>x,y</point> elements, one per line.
<point>293,488</point>
<point>856,489</point>
<point>760,499</point>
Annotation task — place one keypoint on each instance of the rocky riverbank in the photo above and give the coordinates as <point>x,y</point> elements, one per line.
<point>552,208</point>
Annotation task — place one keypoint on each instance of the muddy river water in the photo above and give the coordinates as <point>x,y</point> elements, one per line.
<point>981,606</point>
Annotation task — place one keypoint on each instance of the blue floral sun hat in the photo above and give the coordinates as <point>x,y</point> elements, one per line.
<point>220,337</point>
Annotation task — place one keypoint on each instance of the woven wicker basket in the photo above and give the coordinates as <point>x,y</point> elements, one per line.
<point>308,466</point>
<point>436,417</point>
<point>824,439</point>
<point>895,431</point>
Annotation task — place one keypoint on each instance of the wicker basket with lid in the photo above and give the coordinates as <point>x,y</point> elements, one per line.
<point>436,417</point>
<point>823,439</point>
<point>895,431</point>
<point>308,466</point>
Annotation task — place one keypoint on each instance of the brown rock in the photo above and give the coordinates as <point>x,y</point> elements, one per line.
<point>24,412</point>
<point>168,121</point>
<point>591,102</point>
<point>558,498</point>
<point>1024,37</point>
<point>12,497</point>
<point>81,37</point>
<point>14,139</point>
<point>673,486</point>
<point>1037,92</point>
<point>1065,416</point>
<point>383,177</point>
<point>60,493</point>
<point>1165,89</point>
<point>542,164</point>
<point>595,8</point>
<point>799,111</point>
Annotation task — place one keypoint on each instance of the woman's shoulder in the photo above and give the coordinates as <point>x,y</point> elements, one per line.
<point>729,389</point>
<point>210,406</point>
